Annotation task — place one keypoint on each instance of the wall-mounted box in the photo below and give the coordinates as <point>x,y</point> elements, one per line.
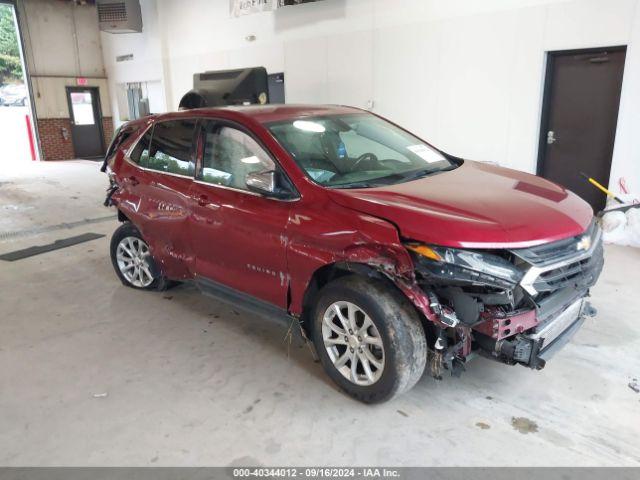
<point>119,16</point>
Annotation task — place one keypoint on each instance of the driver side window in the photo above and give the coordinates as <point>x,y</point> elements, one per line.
<point>229,155</point>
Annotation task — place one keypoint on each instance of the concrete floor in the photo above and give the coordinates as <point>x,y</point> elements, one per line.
<point>189,381</point>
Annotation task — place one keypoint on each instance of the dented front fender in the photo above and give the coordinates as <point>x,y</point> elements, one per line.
<point>314,243</point>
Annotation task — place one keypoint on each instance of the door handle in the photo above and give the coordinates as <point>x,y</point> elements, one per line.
<point>204,201</point>
<point>134,181</point>
<point>551,137</point>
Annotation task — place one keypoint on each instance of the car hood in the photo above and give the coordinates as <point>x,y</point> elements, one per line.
<point>477,205</point>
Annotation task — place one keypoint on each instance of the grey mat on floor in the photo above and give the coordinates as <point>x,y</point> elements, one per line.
<point>57,245</point>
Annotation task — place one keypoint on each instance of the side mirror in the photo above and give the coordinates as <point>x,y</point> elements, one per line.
<point>266,183</point>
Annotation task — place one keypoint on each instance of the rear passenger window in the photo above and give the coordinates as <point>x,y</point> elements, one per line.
<point>121,136</point>
<point>171,147</point>
<point>230,155</point>
<point>140,153</point>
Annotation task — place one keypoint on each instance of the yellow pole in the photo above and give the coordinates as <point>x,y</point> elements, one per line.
<point>597,185</point>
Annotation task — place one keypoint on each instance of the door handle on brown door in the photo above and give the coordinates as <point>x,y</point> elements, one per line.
<point>134,181</point>
<point>551,137</point>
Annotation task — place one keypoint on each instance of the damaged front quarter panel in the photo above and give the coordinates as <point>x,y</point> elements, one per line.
<point>371,247</point>
<point>394,262</point>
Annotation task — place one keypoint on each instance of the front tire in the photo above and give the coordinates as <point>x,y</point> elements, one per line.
<point>132,260</point>
<point>369,338</point>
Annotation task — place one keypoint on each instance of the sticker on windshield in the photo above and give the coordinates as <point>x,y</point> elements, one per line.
<point>428,154</point>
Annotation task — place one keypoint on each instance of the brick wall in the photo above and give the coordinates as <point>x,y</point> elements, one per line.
<point>107,130</point>
<point>52,137</point>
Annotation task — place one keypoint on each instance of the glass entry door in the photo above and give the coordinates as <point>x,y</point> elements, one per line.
<point>86,121</point>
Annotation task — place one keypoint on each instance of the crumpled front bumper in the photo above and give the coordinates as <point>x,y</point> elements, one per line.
<point>550,338</point>
<point>536,347</point>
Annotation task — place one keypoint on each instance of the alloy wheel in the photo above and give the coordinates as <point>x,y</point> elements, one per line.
<point>132,256</point>
<point>353,343</point>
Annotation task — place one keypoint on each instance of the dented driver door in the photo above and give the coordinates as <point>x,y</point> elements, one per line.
<point>237,235</point>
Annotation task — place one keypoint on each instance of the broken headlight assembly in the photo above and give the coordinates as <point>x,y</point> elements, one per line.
<point>445,265</point>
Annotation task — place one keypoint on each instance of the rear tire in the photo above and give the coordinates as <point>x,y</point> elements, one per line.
<point>133,262</point>
<point>366,323</point>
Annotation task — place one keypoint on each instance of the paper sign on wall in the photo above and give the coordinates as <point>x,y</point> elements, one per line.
<point>245,7</point>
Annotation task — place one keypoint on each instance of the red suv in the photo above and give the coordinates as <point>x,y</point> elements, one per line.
<point>391,254</point>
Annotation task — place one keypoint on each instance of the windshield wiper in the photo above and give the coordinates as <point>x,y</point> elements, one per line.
<point>426,173</point>
<point>416,174</point>
<point>362,184</point>
<point>394,177</point>
<point>406,176</point>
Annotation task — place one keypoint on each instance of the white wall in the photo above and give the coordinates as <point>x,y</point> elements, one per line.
<point>50,95</point>
<point>626,154</point>
<point>464,74</point>
<point>146,65</point>
<point>61,39</point>
<point>62,43</point>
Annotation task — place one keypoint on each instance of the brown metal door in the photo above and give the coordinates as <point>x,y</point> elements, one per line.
<point>580,112</point>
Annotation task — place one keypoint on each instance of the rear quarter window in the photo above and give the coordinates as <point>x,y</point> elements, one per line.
<point>140,153</point>
<point>171,148</point>
<point>121,136</point>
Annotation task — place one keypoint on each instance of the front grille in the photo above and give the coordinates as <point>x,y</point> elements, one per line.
<point>554,252</point>
<point>575,262</point>
<point>580,274</point>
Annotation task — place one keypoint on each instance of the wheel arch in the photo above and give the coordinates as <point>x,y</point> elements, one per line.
<point>122,217</point>
<point>332,271</point>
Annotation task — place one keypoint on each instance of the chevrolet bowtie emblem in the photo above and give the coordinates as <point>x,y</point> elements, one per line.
<point>584,244</point>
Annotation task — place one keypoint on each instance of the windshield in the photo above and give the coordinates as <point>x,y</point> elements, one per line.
<point>357,150</point>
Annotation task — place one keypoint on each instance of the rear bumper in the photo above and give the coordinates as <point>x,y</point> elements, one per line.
<point>534,349</point>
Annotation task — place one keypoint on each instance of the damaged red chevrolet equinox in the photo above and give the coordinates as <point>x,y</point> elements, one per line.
<point>392,255</point>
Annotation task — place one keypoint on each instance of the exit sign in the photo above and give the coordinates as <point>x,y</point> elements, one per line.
<point>81,81</point>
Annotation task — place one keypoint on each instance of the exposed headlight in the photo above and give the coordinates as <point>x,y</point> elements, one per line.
<point>467,265</point>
